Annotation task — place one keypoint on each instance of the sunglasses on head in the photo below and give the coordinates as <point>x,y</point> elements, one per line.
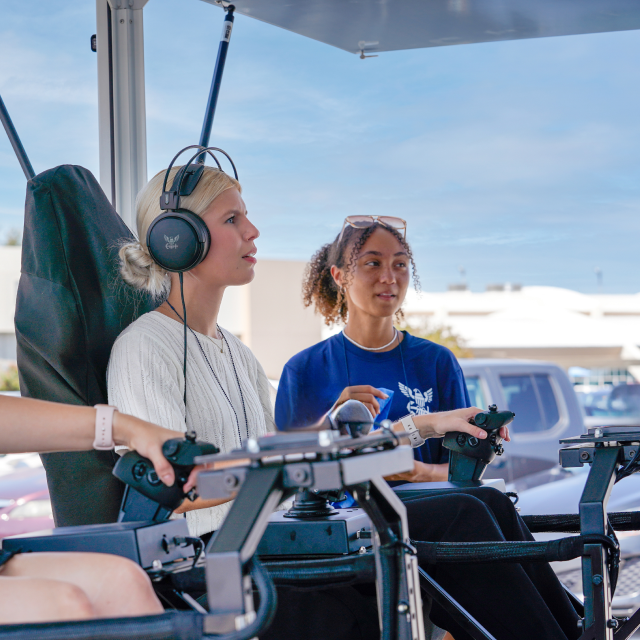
<point>363,222</point>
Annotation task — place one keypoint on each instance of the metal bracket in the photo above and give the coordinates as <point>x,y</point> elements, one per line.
<point>363,46</point>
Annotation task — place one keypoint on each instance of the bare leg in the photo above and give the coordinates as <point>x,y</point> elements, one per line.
<point>38,600</point>
<point>112,585</point>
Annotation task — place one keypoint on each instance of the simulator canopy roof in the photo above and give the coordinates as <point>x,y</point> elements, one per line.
<point>388,25</point>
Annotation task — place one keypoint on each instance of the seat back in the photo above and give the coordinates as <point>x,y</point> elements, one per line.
<point>71,306</point>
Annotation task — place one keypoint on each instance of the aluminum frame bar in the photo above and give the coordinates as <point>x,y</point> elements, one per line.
<point>593,518</point>
<point>121,103</point>
<point>214,92</point>
<point>14,139</point>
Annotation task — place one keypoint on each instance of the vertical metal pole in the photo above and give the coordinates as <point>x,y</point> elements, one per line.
<point>595,576</point>
<point>14,139</point>
<point>214,92</point>
<point>106,124</point>
<point>389,517</point>
<point>121,99</point>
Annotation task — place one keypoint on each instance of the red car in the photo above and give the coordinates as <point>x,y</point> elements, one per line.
<point>29,513</point>
<point>24,496</point>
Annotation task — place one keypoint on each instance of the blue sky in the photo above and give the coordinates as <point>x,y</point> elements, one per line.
<point>517,160</point>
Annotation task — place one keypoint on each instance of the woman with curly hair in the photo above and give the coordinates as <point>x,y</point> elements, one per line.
<point>361,279</point>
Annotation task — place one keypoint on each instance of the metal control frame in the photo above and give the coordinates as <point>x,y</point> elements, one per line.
<point>605,449</point>
<point>277,468</point>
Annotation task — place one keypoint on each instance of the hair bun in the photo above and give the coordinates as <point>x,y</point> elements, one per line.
<point>138,270</point>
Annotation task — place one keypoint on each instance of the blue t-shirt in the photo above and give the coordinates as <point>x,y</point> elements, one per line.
<point>314,379</point>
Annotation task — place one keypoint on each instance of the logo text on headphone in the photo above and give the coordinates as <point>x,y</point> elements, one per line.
<point>172,243</point>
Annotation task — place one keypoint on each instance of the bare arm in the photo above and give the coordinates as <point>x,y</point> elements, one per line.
<point>424,472</point>
<point>430,425</point>
<point>200,503</point>
<point>35,425</point>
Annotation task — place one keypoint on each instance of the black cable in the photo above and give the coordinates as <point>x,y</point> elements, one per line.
<point>266,609</point>
<point>184,321</point>
<point>196,543</point>
<point>631,467</point>
<point>513,494</point>
<point>614,558</point>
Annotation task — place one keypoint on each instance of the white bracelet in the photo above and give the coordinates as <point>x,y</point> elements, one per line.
<point>414,435</point>
<point>104,427</point>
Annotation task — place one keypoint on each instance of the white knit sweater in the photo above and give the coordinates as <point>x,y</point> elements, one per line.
<point>145,379</point>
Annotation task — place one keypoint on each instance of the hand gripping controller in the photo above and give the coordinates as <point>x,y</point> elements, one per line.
<point>138,472</point>
<point>469,455</point>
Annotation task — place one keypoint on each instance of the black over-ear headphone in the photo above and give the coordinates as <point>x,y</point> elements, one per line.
<point>179,240</point>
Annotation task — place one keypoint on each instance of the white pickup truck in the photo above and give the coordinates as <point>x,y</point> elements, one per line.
<point>546,407</point>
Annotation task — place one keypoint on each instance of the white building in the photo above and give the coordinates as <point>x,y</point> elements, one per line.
<point>541,323</point>
<point>9,276</point>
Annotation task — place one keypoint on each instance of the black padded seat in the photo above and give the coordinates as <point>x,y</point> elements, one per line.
<point>71,307</point>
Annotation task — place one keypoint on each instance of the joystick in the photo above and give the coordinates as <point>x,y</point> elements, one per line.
<point>138,472</point>
<point>352,418</point>
<point>469,455</point>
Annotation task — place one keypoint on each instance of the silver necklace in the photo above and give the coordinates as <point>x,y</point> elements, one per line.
<point>395,336</point>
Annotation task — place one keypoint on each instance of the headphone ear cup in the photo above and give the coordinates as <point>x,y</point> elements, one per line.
<point>178,240</point>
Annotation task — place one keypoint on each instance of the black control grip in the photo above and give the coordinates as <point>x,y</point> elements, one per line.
<point>183,452</point>
<point>469,455</point>
<point>138,472</point>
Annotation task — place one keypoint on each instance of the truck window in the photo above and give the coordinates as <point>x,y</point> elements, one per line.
<point>475,392</point>
<point>532,399</point>
<point>547,397</point>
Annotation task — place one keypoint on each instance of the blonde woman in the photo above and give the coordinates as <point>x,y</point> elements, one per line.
<point>227,399</point>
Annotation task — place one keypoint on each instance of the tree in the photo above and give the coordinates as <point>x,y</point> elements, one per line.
<point>13,238</point>
<point>440,334</point>
<point>9,379</point>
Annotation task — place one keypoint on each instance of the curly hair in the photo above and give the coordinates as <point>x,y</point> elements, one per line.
<point>318,286</point>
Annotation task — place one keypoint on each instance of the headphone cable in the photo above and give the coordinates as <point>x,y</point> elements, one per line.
<point>184,317</point>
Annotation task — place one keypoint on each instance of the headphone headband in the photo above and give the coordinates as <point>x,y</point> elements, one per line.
<point>170,200</point>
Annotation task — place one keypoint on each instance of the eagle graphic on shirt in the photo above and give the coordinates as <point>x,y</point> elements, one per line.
<point>172,243</point>
<point>418,402</point>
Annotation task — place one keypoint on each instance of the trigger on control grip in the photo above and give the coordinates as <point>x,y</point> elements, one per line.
<point>469,456</point>
<point>182,452</point>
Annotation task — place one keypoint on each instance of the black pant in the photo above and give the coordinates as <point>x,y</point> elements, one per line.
<point>512,601</point>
